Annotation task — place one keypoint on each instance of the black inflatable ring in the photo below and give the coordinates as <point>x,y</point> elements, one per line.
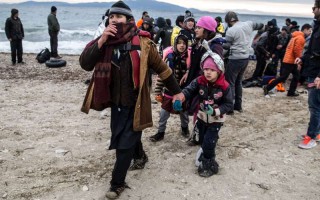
<point>55,63</point>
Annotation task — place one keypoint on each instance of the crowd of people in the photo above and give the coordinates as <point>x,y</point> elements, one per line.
<point>200,67</point>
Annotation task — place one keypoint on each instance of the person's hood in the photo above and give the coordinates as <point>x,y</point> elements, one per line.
<point>161,22</point>
<point>220,82</point>
<point>297,34</point>
<point>274,22</point>
<point>182,37</point>
<point>218,39</point>
<point>273,30</point>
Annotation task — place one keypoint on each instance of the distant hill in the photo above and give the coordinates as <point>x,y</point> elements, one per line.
<point>134,5</point>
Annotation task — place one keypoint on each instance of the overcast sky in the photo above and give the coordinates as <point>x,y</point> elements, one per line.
<point>291,7</point>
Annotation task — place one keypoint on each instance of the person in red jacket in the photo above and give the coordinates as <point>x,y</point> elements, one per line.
<point>294,50</point>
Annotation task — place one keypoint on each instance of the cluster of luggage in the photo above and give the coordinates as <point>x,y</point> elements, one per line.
<point>44,57</point>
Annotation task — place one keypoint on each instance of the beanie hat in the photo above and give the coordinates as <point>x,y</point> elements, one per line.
<point>210,64</point>
<point>317,3</point>
<point>147,20</point>
<point>14,11</point>
<point>231,17</point>
<point>53,9</point>
<point>120,8</point>
<point>208,23</point>
<point>188,16</point>
<point>107,12</point>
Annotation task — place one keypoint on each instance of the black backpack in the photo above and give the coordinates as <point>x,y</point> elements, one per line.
<point>43,56</point>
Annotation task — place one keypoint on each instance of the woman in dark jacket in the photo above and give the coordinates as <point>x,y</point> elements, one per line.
<point>205,30</point>
<point>205,33</point>
<point>164,34</point>
<point>147,25</point>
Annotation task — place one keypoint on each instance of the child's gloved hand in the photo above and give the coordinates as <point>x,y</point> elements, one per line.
<point>177,105</point>
<point>207,109</point>
<point>158,98</point>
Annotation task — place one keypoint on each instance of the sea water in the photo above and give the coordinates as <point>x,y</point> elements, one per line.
<point>79,24</point>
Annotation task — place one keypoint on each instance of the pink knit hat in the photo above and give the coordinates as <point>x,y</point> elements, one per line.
<point>208,23</point>
<point>210,64</point>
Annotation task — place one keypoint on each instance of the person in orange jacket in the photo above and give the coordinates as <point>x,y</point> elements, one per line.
<point>294,50</point>
<point>140,21</point>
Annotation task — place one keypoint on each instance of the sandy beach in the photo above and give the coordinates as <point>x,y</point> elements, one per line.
<point>49,150</point>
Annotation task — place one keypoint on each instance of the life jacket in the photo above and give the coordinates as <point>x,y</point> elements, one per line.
<point>279,86</point>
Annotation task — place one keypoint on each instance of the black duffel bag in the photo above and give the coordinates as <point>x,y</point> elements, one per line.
<point>43,56</point>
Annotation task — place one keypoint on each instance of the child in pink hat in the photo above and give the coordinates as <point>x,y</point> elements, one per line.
<point>215,100</point>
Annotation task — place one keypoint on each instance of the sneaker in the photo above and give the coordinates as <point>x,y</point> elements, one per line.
<point>265,90</point>
<point>139,163</point>
<point>231,112</point>
<point>208,167</point>
<point>191,142</point>
<point>157,137</point>
<point>294,94</point>
<point>317,139</point>
<point>239,110</point>
<point>185,132</point>
<point>57,57</point>
<point>115,192</point>
<point>307,143</point>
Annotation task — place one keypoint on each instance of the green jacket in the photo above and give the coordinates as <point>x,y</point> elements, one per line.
<point>53,24</point>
